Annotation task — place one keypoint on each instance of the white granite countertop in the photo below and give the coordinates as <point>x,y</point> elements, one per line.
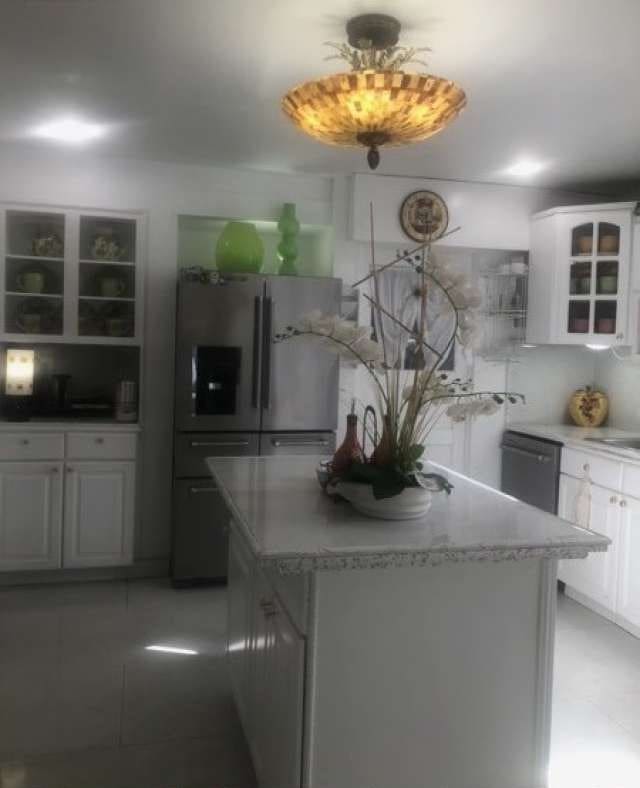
<point>68,425</point>
<point>293,526</point>
<point>578,438</point>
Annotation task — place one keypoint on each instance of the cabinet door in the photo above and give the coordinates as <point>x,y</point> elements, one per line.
<point>594,254</point>
<point>595,576</point>
<point>30,515</point>
<point>278,682</point>
<point>99,513</point>
<point>629,571</point>
<point>239,596</point>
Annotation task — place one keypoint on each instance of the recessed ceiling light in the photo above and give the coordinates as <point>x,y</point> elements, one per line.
<point>525,168</point>
<point>73,131</point>
<point>170,649</point>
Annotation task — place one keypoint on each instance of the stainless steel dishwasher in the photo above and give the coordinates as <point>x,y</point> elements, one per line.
<point>531,469</point>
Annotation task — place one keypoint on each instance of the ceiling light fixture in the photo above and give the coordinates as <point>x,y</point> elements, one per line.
<point>525,168</point>
<point>73,131</point>
<point>377,103</point>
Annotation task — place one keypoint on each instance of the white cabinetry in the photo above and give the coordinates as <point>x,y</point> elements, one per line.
<point>51,495</point>
<point>98,513</point>
<point>30,515</point>
<point>579,279</point>
<point>607,582</point>
<point>266,657</point>
<point>595,577</point>
<point>71,275</point>
<point>628,607</point>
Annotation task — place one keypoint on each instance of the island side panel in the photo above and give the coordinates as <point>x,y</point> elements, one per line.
<point>430,677</point>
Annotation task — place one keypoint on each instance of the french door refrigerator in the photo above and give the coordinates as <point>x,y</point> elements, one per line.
<point>239,393</point>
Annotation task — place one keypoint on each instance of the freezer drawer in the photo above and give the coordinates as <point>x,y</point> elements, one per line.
<point>192,449</point>
<point>308,443</point>
<point>200,532</point>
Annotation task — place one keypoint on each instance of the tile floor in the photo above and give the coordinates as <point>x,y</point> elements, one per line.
<point>596,712</point>
<point>84,705</point>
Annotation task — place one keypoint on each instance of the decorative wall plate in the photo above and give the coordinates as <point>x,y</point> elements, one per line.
<point>424,216</point>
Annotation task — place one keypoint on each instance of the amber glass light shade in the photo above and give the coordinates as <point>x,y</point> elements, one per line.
<point>374,108</point>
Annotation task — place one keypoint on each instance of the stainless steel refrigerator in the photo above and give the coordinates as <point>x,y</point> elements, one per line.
<point>239,393</point>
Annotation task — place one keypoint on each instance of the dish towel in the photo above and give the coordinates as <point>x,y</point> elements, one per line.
<point>583,502</point>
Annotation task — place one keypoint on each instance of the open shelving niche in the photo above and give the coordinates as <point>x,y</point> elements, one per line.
<point>198,236</point>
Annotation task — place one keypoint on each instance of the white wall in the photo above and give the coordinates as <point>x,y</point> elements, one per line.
<point>547,376</point>
<point>164,191</point>
<point>621,381</point>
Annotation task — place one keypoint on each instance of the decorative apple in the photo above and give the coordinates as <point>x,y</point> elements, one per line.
<point>588,407</point>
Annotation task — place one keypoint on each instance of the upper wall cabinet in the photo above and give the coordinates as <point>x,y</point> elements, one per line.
<point>579,275</point>
<point>71,275</point>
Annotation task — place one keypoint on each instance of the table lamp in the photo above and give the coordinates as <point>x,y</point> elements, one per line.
<point>19,383</point>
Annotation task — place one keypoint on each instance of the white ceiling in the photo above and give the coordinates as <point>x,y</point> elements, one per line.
<point>201,80</point>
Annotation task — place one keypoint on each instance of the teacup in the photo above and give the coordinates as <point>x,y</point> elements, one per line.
<point>31,281</point>
<point>118,327</point>
<point>30,323</point>
<point>112,287</point>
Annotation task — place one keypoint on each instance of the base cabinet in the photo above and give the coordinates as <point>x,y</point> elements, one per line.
<point>609,582</point>
<point>99,513</point>
<point>628,607</point>
<point>30,515</point>
<point>67,498</point>
<point>597,575</point>
<point>266,657</point>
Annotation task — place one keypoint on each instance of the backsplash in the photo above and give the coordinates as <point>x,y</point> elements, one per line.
<point>621,382</point>
<point>93,371</point>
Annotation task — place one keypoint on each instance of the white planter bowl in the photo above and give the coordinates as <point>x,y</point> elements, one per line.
<point>411,503</point>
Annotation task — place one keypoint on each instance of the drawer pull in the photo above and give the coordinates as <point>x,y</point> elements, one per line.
<point>25,441</point>
<point>279,443</point>
<point>586,467</point>
<point>526,453</point>
<point>614,499</point>
<point>99,440</point>
<point>203,444</point>
<point>198,490</point>
<point>623,504</point>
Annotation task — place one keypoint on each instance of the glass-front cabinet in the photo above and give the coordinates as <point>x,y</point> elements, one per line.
<point>71,275</point>
<point>579,275</point>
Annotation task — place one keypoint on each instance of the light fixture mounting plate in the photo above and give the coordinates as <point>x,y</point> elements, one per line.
<point>373,31</point>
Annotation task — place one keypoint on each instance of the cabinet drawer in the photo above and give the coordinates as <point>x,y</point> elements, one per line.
<point>39,446</point>
<point>631,480</point>
<point>606,473</point>
<point>101,446</point>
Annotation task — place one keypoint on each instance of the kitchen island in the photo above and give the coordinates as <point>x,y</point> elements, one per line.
<point>375,654</point>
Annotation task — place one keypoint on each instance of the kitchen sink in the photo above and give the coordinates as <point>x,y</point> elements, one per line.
<point>618,443</point>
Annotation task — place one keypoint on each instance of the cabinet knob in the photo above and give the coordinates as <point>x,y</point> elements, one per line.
<point>54,469</point>
<point>623,504</point>
<point>25,441</point>
<point>614,499</point>
<point>619,336</point>
<point>99,440</point>
<point>586,467</point>
<point>69,469</point>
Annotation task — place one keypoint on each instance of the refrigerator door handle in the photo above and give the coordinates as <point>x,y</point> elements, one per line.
<point>267,328</point>
<point>255,374</point>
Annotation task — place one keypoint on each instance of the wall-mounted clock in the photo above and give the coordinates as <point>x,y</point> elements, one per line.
<point>424,216</point>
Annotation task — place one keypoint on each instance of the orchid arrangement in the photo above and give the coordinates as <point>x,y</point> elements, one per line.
<point>408,407</point>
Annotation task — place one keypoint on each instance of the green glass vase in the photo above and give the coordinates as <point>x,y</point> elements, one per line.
<point>239,249</point>
<point>289,227</point>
